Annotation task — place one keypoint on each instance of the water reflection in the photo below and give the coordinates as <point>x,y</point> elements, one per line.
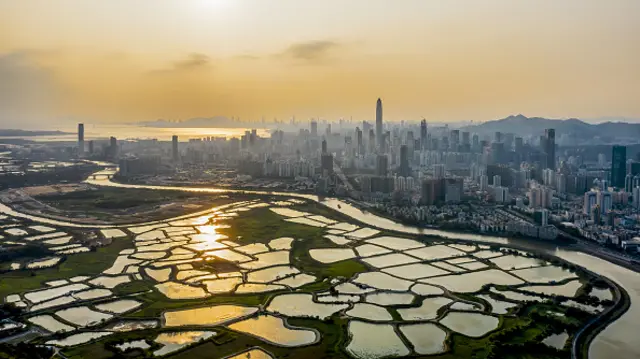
<point>618,338</point>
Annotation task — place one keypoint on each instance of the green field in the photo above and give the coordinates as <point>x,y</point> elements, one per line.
<point>519,334</point>
<point>108,198</point>
<point>86,264</point>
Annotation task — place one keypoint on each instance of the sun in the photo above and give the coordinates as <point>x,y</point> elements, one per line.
<point>214,5</point>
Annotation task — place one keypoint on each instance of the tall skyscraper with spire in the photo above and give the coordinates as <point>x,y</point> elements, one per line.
<point>423,135</point>
<point>379,134</point>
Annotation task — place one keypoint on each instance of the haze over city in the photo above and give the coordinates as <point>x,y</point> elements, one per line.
<point>120,61</point>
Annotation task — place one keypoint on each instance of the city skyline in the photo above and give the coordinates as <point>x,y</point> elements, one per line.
<point>187,178</point>
<point>446,62</point>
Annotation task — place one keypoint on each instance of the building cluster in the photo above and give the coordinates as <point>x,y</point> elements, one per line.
<point>410,170</point>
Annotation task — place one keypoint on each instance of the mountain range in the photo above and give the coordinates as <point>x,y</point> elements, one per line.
<point>607,132</point>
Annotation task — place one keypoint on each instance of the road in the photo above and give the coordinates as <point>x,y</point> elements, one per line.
<point>343,178</point>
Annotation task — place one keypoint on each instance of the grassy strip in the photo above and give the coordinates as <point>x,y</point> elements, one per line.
<point>263,225</point>
<point>107,198</point>
<point>85,264</point>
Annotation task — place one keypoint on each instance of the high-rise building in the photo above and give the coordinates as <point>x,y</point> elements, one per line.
<point>438,171</point>
<point>324,145</point>
<point>542,217</point>
<point>326,164</point>
<point>618,166</point>
<point>535,197</point>
<point>475,143</point>
<point>423,135</point>
<point>453,190</point>
<point>379,134</point>
<point>633,167</point>
<point>497,153</point>
<point>91,147</point>
<point>590,200</point>
<point>546,197</point>
<point>410,143</point>
<point>382,165</point>
<point>466,142</point>
<point>454,140</point>
<point>404,169</point>
<point>497,180</point>
<point>636,198</point>
<point>605,201</point>
<point>596,214</point>
<point>359,141</point>
<point>628,183</point>
<point>80,139</point>
<point>561,183</point>
<point>550,148</point>
<point>113,147</point>
<point>432,191</point>
<point>466,138</point>
<point>484,182</point>
<point>518,145</point>
<point>175,155</point>
<point>602,160</point>
<point>314,128</point>
<point>372,141</point>
<point>501,194</point>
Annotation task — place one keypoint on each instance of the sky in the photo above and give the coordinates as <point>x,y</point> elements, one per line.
<point>118,61</point>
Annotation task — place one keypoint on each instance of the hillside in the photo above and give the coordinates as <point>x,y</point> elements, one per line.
<point>573,128</point>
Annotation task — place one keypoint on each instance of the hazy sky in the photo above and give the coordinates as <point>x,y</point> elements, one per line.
<point>449,60</point>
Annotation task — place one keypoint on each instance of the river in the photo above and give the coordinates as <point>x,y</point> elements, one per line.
<point>619,339</point>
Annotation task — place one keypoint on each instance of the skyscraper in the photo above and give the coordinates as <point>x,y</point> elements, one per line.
<point>326,162</point>
<point>404,169</point>
<point>550,149</point>
<point>519,145</point>
<point>618,166</point>
<point>475,145</point>
<point>314,128</point>
<point>359,142</point>
<point>80,139</point>
<point>113,147</point>
<point>324,146</point>
<point>454,140</point>
<point>411,143</point>
<point>174,148</point>
<point>382,165</point>
<point>423,135</point>
<point>372,141</point>
<point>379,134</point>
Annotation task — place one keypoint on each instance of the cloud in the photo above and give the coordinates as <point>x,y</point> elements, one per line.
<point>311,51</point>
<point>248,57</point>
<point>192,62</point>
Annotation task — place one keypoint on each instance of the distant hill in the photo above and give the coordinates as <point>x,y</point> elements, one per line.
<point>607,132</point>
<point>218,121</point>
<point>25,133</point>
